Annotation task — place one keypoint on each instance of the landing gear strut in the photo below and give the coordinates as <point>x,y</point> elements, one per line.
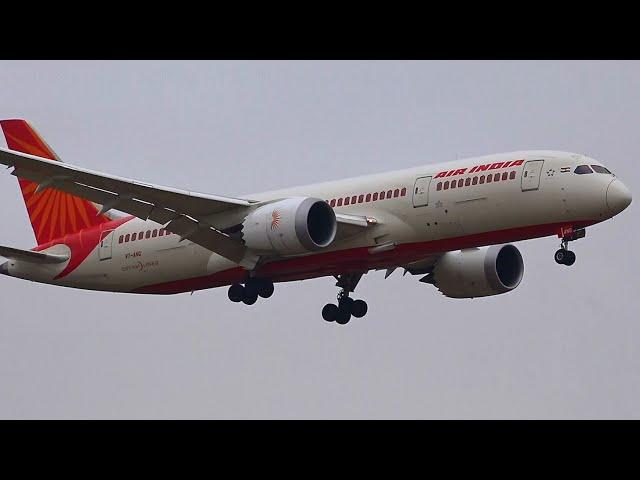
<point>252,289</point>
<point>347,306</point>
<point>564,256</point>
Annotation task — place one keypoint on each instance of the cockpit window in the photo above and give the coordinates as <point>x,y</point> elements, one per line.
<point>600,169</point>
<point>582,169</point>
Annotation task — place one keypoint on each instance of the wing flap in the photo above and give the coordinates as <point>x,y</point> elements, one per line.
<point>207,237</point>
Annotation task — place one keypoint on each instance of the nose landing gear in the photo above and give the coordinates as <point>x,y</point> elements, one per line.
<point>564,256</point>
<point>252,289</point>
<point>347,306</point>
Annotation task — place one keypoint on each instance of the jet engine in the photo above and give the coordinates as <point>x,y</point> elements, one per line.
<point>291,226</point>
<point>478,272</point>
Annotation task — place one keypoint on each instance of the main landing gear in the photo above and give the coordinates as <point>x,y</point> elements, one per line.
<point>252,289</point>
<point>347,306</point>
<point>564,256</point>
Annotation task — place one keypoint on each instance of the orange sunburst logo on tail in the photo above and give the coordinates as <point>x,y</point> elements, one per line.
<point>275,219</point>
<point>53,213</point>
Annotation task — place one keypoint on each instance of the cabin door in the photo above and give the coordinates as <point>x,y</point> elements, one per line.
<point>421,192</point>
<point>106,245</point>
<point>531,175</point>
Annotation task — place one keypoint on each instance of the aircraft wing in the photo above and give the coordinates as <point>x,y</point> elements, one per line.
<point>183,212</point>
<point>351,225</point>
<point>196,216</point>
<point>31,257</point>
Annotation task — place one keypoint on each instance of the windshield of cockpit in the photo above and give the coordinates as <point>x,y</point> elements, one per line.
<point>586,169</point>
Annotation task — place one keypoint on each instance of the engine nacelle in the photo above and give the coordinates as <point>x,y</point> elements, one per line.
<point>479,272</point>
<point>290,226</point>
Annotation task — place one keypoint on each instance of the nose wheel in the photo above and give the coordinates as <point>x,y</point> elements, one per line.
<point>564,256</point>
<point>347,307</point>
<point>251,290</point>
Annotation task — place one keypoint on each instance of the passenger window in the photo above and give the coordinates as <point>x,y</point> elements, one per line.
<point>368,198</point>
<point>505,176</point>
<point>381,195</point>
<point>148,234</point>
<point>140,235</point>
<point>481,179</point>
<point>512,175</point>
<point>396,193</point>
<point>460,183</point>
<point>403,192</point>
<point>453,183</point>
<point>467,182</point>
<point>375,196</point>
<point>333,202</point>
<point>339,204</point>
<point>582,169</point>
<point>121,239</point>
<point>439,187</point>
<point>133,237</point>
<point>474,181</point>
<point>489,178</point>
<point>361,199</point>
<point>347,200</point>
<point>389,194</point>
<point>127,237</point>
<point>154,234</point>
<point>600,169</point>
<point>446,185</point>
<point>496,177</point>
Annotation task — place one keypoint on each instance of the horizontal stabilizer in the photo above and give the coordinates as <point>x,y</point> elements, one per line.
<point>31,256</point>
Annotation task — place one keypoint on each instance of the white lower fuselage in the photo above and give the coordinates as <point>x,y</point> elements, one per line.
<point>538,197</point>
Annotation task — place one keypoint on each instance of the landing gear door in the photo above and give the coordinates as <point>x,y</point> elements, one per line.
<point>421,192</point>
<point>531,175</point>
<point>106,245</point>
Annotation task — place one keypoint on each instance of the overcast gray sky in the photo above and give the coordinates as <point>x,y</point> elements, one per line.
<point>565,344</point>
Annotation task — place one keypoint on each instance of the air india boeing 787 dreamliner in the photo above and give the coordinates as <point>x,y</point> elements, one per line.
<point>448,222</point>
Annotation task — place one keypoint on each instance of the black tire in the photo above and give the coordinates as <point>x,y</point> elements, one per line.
<point>251,289</point>
<point>345,304</point>
<point>359,308</point>
<point>236,292</point>
<point>570,258</point>
<point>250,300</point>
<point>330,312</point>
<point>265,289</point>
<point>343,317</point>
<point>344,311</point>
<point>560,256</point>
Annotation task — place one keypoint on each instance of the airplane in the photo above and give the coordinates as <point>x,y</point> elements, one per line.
<point>451,223</point>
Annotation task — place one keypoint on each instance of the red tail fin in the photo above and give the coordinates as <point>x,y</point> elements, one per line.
<point>53,213</point>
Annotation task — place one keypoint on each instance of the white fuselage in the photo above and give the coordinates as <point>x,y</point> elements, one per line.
<point>538,197</point>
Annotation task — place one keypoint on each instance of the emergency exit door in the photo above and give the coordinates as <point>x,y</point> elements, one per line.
<point>106,245</point>
<point>531,175</point>
<point>421,192</point>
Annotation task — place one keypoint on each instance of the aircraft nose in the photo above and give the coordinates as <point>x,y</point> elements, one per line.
<point>618,196</point>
